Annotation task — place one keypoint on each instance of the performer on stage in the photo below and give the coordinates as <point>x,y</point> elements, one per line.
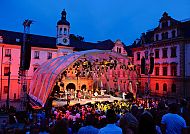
<point>96,95</point>
<point>75,94</point>
<point>123,95</point>
<point>79,95</point>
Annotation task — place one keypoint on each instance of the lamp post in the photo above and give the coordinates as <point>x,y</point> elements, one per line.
<point>8,92</point>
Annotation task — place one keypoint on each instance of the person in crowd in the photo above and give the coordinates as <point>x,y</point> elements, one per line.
<point>61,127</point>
<point>89,128</point>
<point>128,124</point>
<point>146,124</point>
<point>171,122</point>
<point>110,128</point>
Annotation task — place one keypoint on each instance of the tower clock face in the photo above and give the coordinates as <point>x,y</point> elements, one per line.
<point>65,40</point>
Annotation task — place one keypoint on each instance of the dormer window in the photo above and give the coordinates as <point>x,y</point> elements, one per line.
<point>17,40</point>
<point>173,34</point>
<point>118,49</point>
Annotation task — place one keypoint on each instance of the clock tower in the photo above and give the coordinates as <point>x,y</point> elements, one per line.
<point>63,29</point>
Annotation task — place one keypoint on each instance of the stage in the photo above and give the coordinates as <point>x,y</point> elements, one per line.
<point>59,103</point>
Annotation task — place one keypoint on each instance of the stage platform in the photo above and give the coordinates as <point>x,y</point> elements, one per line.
<point>57,103</point>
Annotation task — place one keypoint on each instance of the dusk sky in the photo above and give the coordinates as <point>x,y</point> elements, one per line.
<point>95,20</point>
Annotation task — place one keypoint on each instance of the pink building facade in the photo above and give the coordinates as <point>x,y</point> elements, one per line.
<point>44,49</point>
<point>170,45</point>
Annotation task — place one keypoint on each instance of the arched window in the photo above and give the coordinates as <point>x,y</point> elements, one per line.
<point>157,86</point>
<point>165,87</point>
<point>65,30</point>
<point>60,31</point>
<point>173,88</point>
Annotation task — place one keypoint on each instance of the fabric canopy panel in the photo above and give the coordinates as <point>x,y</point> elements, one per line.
<point>46,75</point>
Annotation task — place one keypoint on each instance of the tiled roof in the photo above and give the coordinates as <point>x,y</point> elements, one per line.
<point>16,38</point>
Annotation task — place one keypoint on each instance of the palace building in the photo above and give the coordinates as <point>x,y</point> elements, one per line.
<point>72,64</point>
<point>65,60</point>
<point>169,43</point>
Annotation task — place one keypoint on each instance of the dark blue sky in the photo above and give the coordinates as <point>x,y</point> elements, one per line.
<point>96,20</point>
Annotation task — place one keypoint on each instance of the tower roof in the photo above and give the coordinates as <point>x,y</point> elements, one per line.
<point>63,20</point>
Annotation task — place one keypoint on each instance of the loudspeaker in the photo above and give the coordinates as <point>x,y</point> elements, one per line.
<point>143,65</point>
<point>151,65</point>
<point>26,54</point>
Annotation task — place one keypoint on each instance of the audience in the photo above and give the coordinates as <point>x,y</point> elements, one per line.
<point>142,116</point>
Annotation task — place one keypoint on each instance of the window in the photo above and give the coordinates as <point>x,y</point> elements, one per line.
<point>146,54</point>
<point>164,53</point>
<point>119,50</point>
<point>6,71</point>
<point>157,37</point>
<point>173,52</point>
<point>165,87</point>
<point>157,53</point>
<point>173,34</point>
<point>49,56</point>
<point>165,24</point>
<point>173,70</point>
<point>65,31</point>
<point>173,88</point>
<point>166,35</point>
<point>157,71</point>
<point>165,71</point>
<point>36,54</point>
<point>157,86</point>
<point>60,31</point>
<point>7,52</point>
<point>162,36</point>
<point>138,56</point>
<point>5,89</point>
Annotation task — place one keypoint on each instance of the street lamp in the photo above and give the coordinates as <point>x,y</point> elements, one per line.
<point>9,75</point>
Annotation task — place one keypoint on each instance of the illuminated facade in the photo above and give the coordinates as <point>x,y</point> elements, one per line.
<point>46,49</point>
<point>170,45</point>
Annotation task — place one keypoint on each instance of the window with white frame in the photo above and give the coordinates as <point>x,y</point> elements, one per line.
<point>36,54</point>
<point>49,55</point>
<point>7,52</point>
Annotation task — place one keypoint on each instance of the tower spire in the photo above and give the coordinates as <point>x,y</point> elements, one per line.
<point>64,15</point>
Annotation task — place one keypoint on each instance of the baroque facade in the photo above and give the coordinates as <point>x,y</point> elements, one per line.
<point>169,43</point>
<point>43,49</point>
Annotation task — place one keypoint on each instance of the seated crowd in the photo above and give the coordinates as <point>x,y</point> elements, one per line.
<point>119,117</point>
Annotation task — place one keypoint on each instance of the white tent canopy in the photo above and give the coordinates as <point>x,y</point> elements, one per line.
<point>46,75</point>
